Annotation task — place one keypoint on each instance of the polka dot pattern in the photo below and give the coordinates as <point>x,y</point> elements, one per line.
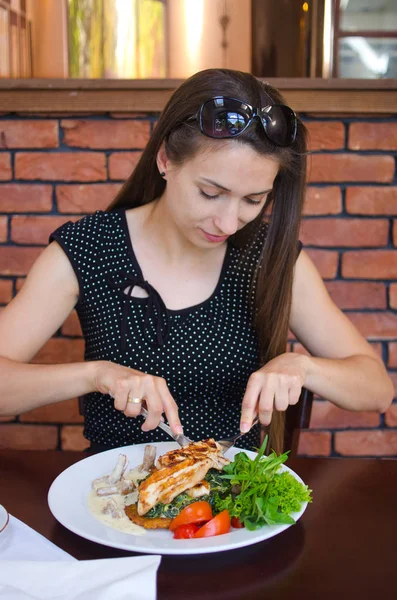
<point>209,353</point>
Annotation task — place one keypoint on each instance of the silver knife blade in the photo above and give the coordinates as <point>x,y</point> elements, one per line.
<point>181,439</point>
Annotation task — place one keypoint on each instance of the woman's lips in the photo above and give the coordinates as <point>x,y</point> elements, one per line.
<point>214,238</point>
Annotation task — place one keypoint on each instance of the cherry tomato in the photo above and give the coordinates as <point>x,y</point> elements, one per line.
<point>217,526</point>
<point>197,512</point>
<point>184,532</point>
<point>236,523</point>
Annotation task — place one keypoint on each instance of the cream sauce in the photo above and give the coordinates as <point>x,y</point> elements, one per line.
<point>96,505</point>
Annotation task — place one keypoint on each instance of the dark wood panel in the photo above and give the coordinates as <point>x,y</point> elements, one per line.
<point>151,95</point>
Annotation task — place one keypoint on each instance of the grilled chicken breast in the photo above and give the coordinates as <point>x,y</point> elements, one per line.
<point>178,471</point>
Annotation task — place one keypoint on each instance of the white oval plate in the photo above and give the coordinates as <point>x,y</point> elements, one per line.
<point>4,518</point>
<point>67,499</point>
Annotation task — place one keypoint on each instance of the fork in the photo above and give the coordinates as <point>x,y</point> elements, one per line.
<point>228,443</point>
<point>182,440</point>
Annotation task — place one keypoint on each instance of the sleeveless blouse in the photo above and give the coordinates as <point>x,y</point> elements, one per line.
<point>206,352</point>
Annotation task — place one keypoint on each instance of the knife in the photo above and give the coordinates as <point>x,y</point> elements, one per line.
<point>181,439</point>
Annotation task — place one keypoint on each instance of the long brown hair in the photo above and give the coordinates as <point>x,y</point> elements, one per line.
<point>183,140</point>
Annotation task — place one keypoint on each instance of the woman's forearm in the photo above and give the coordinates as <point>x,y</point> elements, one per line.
<point>357,382</point>
<point>26,386</point>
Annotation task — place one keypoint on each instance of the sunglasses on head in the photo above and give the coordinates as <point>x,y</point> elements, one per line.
<point>222,117</point>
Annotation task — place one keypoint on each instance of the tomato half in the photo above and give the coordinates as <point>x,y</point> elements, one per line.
<point>184,532</point>
<point>236,523</point>
<point>197,512</point>
<point>217,526</point>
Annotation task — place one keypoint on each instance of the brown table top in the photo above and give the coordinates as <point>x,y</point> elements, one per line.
<point>344,545</point>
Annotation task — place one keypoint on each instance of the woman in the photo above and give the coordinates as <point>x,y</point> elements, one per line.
<point>184,293</point>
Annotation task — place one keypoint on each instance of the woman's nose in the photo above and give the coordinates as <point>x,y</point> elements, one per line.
<point>227,221</point>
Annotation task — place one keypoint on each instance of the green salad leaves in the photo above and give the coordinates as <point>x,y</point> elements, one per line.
<point>258,493</point>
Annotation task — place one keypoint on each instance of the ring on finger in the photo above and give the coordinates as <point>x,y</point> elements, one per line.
<point>134,400</point>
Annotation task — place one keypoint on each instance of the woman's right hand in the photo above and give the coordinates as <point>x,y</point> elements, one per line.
<point>123,383</point>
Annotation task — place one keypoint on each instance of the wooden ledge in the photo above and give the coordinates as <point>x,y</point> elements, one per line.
<point>150,95</point>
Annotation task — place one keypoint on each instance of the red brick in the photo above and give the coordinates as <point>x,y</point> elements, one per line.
<point>29,134</point>
<point>326,415</point>
<point>298,347</point>
<point>323,201</point>
<point>377,346</point>
<point>72,438</point>
<point>393,295</point>
<point>325,261</point>
<point>314,443</point>
<point>392,362</point>
<point>19,283</point>
<point>5,166</point>
<point>373,136</point>
<point>85,199</point>
<point>3,229</point>
<point>17,261</point>
<point>58,114</point>
<point>67,166</point>
<point>344,232</point>
<point>61,412</point>
<point>393,377</point>
<point>58,350</point>
<point>72,325</point>
<point>25,197</point>
<point>129,115</point>
<point>375,325</point>
<point>391,416</point>
<point>370,264</point>
<point>325,135</point>
<point>351,167</point>
<point>29,437</point>
<point>121,164</point>
<point>340,115</point>
<point>395,232</point>
<point>371,200</point>
<point>35,230</point>
<point>366,443</point>
<point>4,419</point>
<point>352,294</point>
<point>106,134</point>
<point>5,291</point>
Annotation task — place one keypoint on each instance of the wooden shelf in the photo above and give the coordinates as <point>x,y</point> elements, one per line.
<point>150,95</point>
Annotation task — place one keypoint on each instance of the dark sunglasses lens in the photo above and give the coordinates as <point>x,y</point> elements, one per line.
<point>280,124</point>
<point>223,118</point>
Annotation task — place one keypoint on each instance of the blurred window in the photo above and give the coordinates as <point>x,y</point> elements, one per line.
<point>365,39</point>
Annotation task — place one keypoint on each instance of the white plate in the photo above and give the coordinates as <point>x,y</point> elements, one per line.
<point>67,499</point>
<point>4,517</point>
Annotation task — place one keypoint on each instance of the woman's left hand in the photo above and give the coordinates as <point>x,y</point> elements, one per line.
<point>276,385</point>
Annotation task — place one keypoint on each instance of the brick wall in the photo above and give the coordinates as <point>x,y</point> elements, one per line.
<point>58,167</point>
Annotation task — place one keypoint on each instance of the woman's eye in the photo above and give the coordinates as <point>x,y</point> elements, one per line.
<point>250,201</point>
<point>208,196</point>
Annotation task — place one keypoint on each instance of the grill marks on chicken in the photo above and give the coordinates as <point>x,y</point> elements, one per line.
<point>178,471</point>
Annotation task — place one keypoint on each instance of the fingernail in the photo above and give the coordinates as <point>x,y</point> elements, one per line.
<point>178,430</point>
<point>244,427</point>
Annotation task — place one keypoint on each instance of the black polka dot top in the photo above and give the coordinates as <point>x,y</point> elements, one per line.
<point>206,353</point>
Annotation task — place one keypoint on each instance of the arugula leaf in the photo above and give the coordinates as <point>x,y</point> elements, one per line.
<point>266,496</point>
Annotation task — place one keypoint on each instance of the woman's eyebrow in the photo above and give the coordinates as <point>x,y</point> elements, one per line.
<point>222,187</point>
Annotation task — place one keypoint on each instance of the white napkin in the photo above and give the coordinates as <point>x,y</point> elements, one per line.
<point>33,568</point>
<point>130,578</point>
<point>20,542</point>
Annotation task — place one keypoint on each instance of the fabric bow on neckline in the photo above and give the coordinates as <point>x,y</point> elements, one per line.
<point>156,309</point>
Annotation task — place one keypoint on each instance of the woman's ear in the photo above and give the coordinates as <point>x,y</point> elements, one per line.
<point>162,161</point>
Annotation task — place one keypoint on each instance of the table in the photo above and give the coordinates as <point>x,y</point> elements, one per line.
<point>345,545</point>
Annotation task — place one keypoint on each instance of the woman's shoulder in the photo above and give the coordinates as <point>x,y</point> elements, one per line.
<point>89,228</point>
